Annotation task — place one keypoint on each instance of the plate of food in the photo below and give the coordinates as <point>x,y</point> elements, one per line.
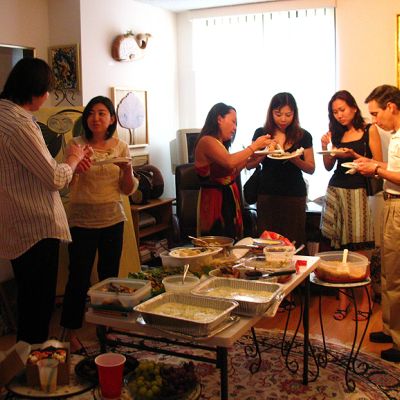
<point>286,155</point>
<point>349,165</point>
<point>331,152</point>
<point>112,160</point>
<point>194,252</point>
<point>268,151</point>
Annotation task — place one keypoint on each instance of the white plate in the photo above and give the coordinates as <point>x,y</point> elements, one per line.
<point>296,153</point>
<point>112,160</point>
<point>330,152</point>
<point>240,253</point>
<point>349,165</point>
<point>266,152</point>
<point>204,251</point>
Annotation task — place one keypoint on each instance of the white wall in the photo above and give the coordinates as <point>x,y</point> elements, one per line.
<point>156,72</point>
<point>25,23</point>
<point>366,45</point>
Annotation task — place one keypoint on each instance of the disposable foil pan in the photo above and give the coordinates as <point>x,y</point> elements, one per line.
<point>247,306</point>
<point>185,325</point>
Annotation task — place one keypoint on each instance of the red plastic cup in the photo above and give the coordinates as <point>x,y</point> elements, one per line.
<point>110,367</point>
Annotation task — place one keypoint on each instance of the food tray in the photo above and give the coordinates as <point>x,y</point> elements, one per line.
<point>246,307</point>
<point>97,296</point>
<point>185,325</point>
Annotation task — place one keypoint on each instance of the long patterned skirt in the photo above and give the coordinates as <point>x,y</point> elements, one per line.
<point>346,218</point>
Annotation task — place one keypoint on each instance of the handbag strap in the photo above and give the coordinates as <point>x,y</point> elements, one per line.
<point>366,138</point>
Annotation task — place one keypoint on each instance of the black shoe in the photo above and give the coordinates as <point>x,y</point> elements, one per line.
<point>380,337</point>
<point>392,355</point>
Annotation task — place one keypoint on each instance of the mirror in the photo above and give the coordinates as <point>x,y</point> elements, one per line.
<point>9,56</point>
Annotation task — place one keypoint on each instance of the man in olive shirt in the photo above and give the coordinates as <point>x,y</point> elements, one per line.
<point>384,106</point>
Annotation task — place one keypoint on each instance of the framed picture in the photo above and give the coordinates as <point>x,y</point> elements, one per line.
<point>64,61</point>
<point>131,108</point>
<point>398,50</point>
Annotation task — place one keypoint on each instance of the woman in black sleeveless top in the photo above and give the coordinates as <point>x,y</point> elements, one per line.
<point>346,217</point>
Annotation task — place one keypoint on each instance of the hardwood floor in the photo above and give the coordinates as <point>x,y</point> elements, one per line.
<point>340,331</point>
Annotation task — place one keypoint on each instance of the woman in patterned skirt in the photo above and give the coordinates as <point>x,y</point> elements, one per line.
<point>346,216</point>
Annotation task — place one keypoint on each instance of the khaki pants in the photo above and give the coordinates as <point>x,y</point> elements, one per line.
<point>391,270</point>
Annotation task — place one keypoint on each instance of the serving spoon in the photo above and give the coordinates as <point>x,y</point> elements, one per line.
<point>185,271</point>
<point>198,240</point>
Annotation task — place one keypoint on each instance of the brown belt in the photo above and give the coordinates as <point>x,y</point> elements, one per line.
<point>388,196</point>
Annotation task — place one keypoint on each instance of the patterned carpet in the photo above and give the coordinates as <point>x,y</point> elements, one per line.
<point>376,379</point>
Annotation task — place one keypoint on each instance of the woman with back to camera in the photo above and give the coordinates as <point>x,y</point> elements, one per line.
<point>282,196</point>
<point>96,214</point>
<point>219,203</point>
<point>346,217</point>
<point>33,220</point>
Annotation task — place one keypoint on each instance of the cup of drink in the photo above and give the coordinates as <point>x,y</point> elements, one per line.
<point>110,367</point>
<point>48,369</point>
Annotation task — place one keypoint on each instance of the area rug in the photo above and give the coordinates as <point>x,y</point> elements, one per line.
<point>273,380</point>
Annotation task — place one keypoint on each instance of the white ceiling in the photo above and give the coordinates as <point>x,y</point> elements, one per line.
<point>185,5</point>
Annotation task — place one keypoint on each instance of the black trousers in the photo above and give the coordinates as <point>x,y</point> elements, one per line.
<point>35,273</point>
<point>82,252</point>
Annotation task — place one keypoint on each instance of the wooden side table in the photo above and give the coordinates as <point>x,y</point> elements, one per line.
<point>160,209</point>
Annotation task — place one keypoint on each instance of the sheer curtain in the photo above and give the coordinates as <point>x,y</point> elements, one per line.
<point>244,60</point>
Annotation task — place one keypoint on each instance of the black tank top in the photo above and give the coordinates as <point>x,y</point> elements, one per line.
<point>347,181</point>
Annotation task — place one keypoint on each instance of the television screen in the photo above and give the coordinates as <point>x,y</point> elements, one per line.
<point>191,139</point>
<point>186,139</point>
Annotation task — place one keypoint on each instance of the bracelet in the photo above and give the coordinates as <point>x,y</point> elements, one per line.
<point>252,151</point>
<point>376,175</point>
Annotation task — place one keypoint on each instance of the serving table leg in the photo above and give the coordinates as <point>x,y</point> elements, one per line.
<point>222,364</point>
<point>144,343</point>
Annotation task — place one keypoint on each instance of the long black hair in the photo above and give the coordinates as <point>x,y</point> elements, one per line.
<point>293,132</point>
<point>335,127</point>
<point>211,127</point>
<point>29,77</point>
<point>86,112</point>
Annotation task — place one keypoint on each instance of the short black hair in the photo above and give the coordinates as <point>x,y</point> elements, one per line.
<point>29,77</point>
<point>86,112</point>
<point>384,94</point>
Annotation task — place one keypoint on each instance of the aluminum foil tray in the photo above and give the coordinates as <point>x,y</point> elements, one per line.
<point>246,307</point>
<point>185,325</point>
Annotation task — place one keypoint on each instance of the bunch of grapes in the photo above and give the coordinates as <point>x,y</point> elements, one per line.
<point>152,381</point>
<point>147,381</point>
<point>177,380</point>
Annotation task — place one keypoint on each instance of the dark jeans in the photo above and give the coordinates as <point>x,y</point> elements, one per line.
<point>82,252</point>
<point>36,277</point>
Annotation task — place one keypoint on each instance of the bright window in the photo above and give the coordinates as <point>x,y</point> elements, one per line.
<point>244,60</point>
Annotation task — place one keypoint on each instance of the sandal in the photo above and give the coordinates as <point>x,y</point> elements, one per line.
<point>362,315</point>
<point>340,314</point>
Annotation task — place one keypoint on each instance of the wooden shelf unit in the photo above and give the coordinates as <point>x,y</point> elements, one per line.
<point>161,210</point>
